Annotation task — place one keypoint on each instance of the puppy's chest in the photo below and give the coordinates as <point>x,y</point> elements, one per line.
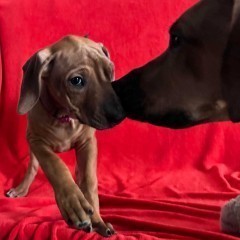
<point>64,139</point>
<point>60,137</point>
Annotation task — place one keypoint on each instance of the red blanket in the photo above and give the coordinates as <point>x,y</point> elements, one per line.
<point>153,182</point>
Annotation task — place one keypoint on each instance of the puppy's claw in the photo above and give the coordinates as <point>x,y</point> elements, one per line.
<point>7,194</point>
<point>108,232</point>
<point>11,193</point>
<point>16,192</point>
<point>69,222</point>
<point>90,212</point>
<point>83,224</point>
<point>89,229</point>
<point>110,227</point>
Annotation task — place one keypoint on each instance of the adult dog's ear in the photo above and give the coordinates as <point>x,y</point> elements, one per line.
<point>33,72</point>
<point>231,67</point>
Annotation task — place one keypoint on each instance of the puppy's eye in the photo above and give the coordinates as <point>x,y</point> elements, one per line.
<point>175,41</point>
<point>77,81</point>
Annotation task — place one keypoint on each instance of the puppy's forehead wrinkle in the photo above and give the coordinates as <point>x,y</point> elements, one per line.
<point>86,60</point>
<point>81,55</point>
<point>74,43</point>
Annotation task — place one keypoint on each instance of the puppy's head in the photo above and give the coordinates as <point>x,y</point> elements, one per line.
<point>182,87</point>
<point>76,73</point>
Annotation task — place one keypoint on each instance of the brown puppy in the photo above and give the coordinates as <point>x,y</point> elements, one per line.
<point>67,92</point>
<point>196,80</point>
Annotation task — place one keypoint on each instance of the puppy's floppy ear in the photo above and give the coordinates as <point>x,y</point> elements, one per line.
<point>33,72</point>
<point>231,67</point>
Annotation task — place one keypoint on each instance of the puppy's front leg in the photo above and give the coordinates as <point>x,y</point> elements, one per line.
<point>71,201</point>
<point>86,174</point>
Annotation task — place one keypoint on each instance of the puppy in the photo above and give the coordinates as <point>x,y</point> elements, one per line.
<point>196,80</point>
<point>67,93</point>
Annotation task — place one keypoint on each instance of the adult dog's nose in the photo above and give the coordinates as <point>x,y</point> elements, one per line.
<point>131,96</point>
<point>114,111</point>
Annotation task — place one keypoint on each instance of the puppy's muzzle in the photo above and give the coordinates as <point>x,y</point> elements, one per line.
<point>106,115</point>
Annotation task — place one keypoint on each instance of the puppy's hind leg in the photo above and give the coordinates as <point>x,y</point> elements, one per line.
<point>22,189</point>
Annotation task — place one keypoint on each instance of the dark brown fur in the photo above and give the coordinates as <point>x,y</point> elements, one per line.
<point>196,80</point>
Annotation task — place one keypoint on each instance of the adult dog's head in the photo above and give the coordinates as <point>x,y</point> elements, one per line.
<point>196,79</point>
<point>72,76</point>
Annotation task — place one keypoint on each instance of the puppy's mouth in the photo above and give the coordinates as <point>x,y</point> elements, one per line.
<point>64,119</point>
<point>65,116</point>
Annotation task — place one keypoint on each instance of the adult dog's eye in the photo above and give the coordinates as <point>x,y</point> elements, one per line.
<point>77,81</point>
<point>175,41</point>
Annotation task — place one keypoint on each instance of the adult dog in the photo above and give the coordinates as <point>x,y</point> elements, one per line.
<point>196,80</point>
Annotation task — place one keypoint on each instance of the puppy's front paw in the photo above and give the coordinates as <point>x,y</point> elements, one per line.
<point>74,207</point>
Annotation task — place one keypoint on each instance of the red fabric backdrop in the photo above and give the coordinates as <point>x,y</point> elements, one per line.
<point>153,182</point>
